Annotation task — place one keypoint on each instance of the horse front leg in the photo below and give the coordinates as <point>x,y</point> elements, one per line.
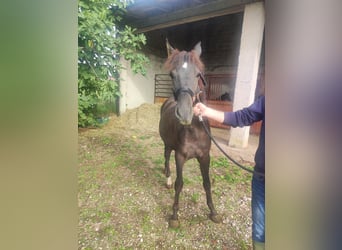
<point>173,222</point>
<point>167,153</point>
<point>204,166</point>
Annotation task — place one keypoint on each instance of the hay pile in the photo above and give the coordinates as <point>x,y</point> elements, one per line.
<point>143,118</point>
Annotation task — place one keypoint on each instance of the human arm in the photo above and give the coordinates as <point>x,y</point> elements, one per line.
<point>240,118</point>
<point>201,109</point>
<point>246,116</point>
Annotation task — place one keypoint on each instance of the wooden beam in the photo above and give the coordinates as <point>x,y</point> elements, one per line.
<point>200,12</point>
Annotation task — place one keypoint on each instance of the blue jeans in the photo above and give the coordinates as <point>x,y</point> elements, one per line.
<point>258,208</point>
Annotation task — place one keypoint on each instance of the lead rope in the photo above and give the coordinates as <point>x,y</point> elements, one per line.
<point>217,145</point>
<point>225,154</point>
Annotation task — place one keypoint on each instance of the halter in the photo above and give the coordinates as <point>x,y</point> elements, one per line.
<point>178,91</point>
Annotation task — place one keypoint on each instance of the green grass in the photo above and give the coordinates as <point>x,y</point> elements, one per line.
<point>158,161</point>
<point>195,197</point>
<point>122,192</point>
<point>229,172</point>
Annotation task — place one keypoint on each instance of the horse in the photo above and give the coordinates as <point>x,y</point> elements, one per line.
<point>180,130</point>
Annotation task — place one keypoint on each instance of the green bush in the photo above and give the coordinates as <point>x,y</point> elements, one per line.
<point>102,40</point>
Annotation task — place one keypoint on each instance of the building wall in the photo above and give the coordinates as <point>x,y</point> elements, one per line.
<point>137,89</point>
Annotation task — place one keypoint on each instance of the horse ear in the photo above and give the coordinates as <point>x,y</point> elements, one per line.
<point>198,49</point>
<point>169,48</point>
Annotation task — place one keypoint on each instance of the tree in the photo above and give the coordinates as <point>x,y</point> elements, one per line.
<point>102,40</point>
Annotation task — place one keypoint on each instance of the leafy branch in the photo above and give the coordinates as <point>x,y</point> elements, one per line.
<point>102,41</point>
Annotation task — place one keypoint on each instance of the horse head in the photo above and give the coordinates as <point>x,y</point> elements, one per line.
<point>185,69</point>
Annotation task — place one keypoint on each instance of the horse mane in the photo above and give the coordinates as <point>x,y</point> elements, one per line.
<point>176,59</point>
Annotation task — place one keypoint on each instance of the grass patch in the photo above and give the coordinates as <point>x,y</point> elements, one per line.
<point>195,197</point>
<point>158,161</point>
<point>229,172</point>
<point>124,204</point>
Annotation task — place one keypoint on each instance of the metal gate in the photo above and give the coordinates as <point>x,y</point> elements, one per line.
<point>163,87</point>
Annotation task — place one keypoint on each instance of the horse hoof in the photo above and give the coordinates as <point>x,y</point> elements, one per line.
<point>168,182</point>
<point>215,218</point>
<point>173,223</point>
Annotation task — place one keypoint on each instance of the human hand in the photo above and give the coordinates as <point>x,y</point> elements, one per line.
<point>199,109</point>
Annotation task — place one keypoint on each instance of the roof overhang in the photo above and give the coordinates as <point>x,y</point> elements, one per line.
<point>147,15</point>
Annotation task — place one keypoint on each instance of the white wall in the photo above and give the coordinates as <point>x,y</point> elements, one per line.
<point>138,89</point>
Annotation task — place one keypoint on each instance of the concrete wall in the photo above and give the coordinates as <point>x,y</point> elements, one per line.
<point>137,89</point>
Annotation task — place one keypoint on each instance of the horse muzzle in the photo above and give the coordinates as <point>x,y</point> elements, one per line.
<point>184,117</point>
<point>185,98</point>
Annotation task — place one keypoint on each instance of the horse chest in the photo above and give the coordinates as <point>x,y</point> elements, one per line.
<point>194,143</point>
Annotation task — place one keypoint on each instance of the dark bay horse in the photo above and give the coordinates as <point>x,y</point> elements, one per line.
<point>180,130</point>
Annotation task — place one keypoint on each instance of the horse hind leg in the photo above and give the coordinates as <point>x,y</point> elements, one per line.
<point>204,166</point>
<point>167,153</point>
